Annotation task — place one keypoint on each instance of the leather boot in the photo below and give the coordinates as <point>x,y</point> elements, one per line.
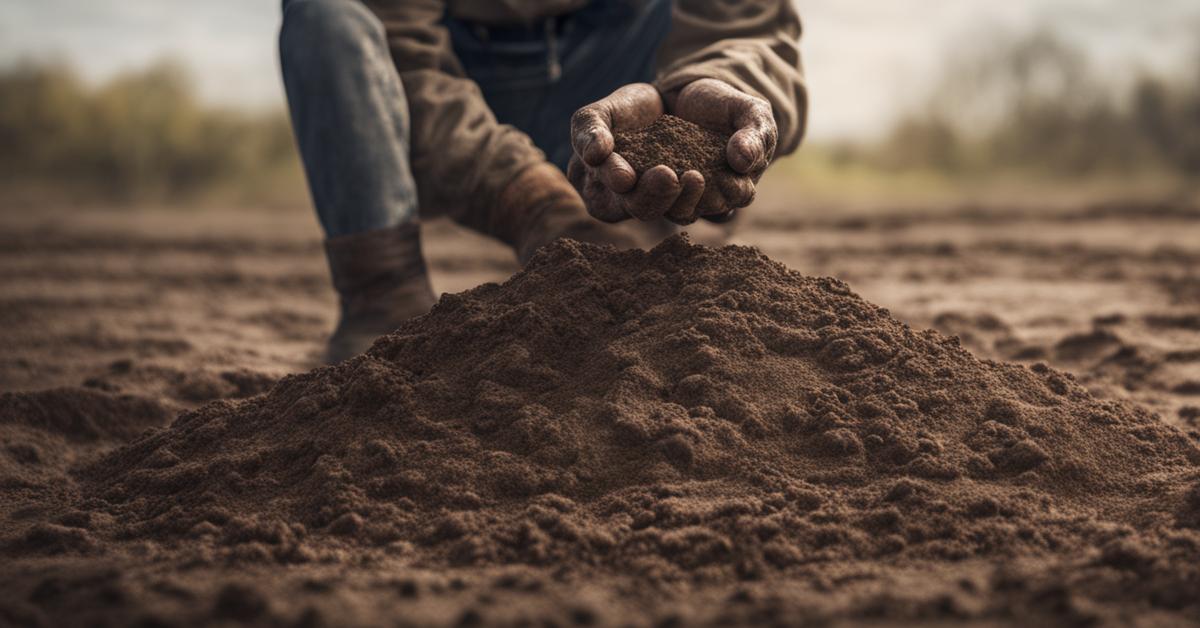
<point>381,281</point>
<point>540,206</point>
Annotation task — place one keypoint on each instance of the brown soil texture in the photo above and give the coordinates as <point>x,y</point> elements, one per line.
<point>676,143</point>
<point>684,436</point>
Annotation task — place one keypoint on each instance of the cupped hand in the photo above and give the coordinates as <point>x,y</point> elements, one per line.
<point>609,186</point>
<point>612,190</point>
<point>748,121</point>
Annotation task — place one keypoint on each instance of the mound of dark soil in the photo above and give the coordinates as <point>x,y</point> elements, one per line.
<point>82,414</point>
<point>686,413</point>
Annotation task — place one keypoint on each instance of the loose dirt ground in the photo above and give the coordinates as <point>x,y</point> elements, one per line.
<point>183,308</point>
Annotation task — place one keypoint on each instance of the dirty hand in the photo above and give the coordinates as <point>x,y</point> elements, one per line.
<point>614,192</point>
<point>748,121</point>
<point>609,186</point>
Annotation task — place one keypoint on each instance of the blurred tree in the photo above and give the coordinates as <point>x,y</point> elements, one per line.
<point>1035,103</point>
<point>143,136</point>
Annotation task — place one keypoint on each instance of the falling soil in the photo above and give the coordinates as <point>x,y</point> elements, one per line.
<point>638,427</point>
<point>676,143</point>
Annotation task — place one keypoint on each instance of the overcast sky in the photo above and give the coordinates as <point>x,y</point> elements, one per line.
<point>866,60</point>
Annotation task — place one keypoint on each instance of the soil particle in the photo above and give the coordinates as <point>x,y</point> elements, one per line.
<point>676,143</point>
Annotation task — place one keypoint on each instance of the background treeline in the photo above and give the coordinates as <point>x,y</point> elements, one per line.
<point>1029,107</point>
<point>1036,104</point>
<point>141,137</point>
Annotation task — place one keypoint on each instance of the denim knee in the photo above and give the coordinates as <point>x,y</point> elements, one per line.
<point>343,25</point>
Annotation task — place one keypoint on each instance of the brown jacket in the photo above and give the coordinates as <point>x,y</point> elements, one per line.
<point>462,158</point>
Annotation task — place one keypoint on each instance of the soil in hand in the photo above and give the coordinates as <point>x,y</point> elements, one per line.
<point>676,143</point>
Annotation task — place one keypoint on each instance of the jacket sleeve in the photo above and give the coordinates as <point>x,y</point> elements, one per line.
<point>751,44</point>
<point>461,156</point>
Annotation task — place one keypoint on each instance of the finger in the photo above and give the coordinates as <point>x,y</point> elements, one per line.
<point>598,199</point>
<point>630,107</point>
<point>591,135</point>
<point>737,191</point>
<point>617,174</point>
<point>607,209</point>
<point>655,192</point>
<point>720,219</point>
<point>746,151</point>
<point>752,147</point>
<point>708,102</point>
<point>683,210</point>
<point>712,202</point>
<point>633,106</point>
<point>603,205</point>
<point>576,172</point>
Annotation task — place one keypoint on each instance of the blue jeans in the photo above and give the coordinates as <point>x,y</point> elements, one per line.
<point>350,114</point>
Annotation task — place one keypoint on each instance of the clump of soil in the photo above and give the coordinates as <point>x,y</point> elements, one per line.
<point>677,143</point>
<point>683,414</point>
